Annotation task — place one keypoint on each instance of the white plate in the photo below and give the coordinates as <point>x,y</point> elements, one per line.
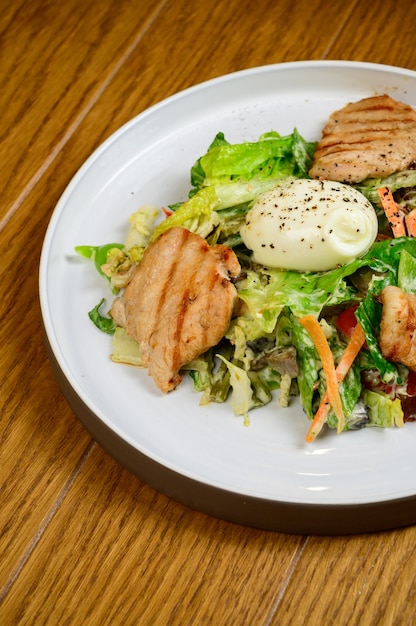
<point>264,474</point>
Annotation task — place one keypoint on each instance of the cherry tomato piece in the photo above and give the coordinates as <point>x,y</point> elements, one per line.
<point>346,321</point>
<point>411,384</point>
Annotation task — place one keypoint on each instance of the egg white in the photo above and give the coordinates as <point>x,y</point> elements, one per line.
<point>309,225</point>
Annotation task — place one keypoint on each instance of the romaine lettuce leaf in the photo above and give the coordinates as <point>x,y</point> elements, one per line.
<point>382,410</point>
<point>272,156</point>
<point>308,365</point>
<point>103,323</point>
<point>406,275</point>
<point>242,393</point>
<point>398,180</point>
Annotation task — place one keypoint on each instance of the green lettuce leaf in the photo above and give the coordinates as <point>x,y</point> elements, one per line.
<point>382,410</point>
<point>103,323</point>
<point>396,181</point>
<point>308,363</point>
<point>406,274</point>
<point>272,156</point>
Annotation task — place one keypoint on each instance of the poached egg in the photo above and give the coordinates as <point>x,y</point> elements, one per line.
<point>309,225</point>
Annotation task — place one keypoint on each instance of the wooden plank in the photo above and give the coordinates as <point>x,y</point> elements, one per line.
<point>106,534</point>
<point>368,579</point>
<point>189,45</point>
<point>41,442</point>
<point>56,60</point>
<point>116,552</point>
<point>378,32</point>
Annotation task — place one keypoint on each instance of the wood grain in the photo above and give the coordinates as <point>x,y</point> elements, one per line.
<point>378,32</point>
<point>369,579</point>
<point>81,540</point>
<point>196,45</point>
<point>56,61</point>
<point>216,570</point>
<point>41,443</point>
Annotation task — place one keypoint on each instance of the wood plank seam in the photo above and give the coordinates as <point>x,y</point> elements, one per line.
<point>340,29</point>
<point>290,573</point>
<point>47,519</point>
<point>80,118</point>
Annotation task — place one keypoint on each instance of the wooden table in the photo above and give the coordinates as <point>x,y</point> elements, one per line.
<point>82,541</point>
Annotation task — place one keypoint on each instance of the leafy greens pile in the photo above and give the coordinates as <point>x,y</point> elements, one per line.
<point>266,347</point>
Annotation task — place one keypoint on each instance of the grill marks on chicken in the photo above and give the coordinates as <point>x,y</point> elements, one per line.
<point>398,326</point>
<point>371,138</point>
<point>178,303</point>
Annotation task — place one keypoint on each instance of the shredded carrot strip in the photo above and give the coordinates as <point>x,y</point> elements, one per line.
<point>319,420</point>
<point>313,327</point>
<point>355,344</point>
<point>392,211</point>
<point>410,221</point>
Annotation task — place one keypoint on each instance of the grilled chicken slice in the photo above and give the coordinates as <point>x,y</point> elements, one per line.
<point>371,138</point>
<point>398,326</point>
<point>178,303</point>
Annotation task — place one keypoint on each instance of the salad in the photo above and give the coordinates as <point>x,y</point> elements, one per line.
<point>315,334</point>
